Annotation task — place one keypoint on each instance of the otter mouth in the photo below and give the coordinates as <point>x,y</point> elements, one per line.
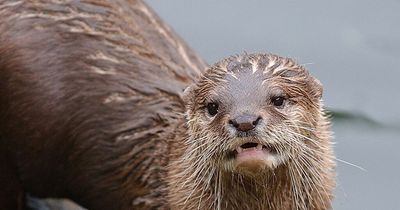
<point>252,151</point>
<point>251,146</point>
<point>253,157</point>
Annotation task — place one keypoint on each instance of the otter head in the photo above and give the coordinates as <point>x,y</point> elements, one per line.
<point>250,114</point>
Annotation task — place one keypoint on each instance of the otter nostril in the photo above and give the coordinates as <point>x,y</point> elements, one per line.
<point>234,123</point>
<point>257,121</point>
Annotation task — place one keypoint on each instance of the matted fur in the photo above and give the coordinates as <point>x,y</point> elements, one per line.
<point>89,94</point>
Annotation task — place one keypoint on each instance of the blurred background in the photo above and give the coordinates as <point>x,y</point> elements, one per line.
<point>353,47</point>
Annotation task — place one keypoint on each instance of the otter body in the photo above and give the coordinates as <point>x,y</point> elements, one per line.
<point>92,108</point>
<point>89,92</point>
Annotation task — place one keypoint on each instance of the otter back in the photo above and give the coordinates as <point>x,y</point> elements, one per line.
<point>88,93</point>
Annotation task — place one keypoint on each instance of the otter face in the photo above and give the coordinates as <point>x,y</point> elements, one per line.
<point>252,113</point>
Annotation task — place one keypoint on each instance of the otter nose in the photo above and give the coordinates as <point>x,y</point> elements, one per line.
<point>245,122</point>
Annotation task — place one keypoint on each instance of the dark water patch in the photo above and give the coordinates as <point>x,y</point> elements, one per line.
<point>340,115</point>
<point>345,116</point>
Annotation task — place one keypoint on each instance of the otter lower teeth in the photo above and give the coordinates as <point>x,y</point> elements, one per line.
<point>239,149</point>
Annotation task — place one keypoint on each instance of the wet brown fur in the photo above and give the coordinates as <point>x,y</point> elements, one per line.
<point>89,94</point>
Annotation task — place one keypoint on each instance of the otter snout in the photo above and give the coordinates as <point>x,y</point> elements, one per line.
<point>245,123</point>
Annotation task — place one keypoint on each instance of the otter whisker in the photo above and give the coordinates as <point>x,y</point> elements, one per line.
<point>314,181</point>
<point>342,161</point>
<point>351,164</point>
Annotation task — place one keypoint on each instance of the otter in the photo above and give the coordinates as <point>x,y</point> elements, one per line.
<point>93,108</point>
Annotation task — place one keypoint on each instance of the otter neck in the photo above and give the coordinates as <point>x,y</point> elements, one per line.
<point>194,182</point>
<point>196,188</point>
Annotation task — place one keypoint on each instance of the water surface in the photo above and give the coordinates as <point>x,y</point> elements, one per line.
<point>353,47</point>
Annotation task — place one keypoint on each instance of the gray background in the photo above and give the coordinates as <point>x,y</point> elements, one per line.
<point>353,47</point>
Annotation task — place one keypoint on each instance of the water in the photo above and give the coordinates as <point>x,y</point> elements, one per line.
<point>353,47</point>
<point>374,148</point>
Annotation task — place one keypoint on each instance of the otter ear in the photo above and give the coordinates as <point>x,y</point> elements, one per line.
<point>316,87</point>
<point>188,96</point>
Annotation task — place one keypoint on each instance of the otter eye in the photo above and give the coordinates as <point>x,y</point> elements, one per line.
<point>212,108</point>
<point>278,101</point>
